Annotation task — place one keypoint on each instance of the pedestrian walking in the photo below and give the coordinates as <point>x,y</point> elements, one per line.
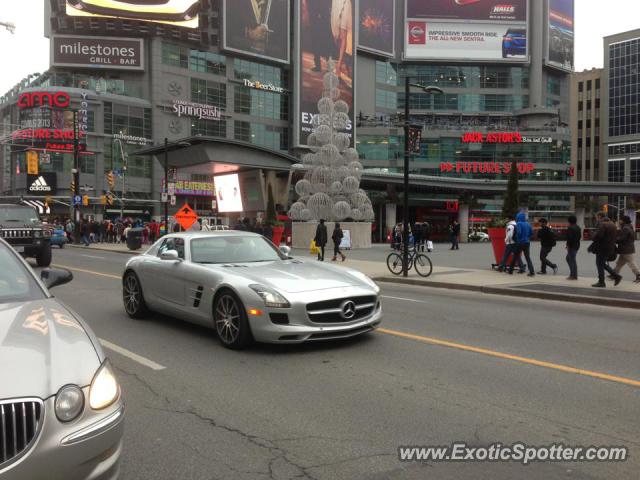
<point>547,239</point>
<point>418,237</point>
<point>321,239</point>
<point>336,236</point>
<point>511,247</point>
<point>604,248</point>
<point>153,230</point>
<point>84,233</point>
<point>574,235</point>
<point>524,232</point>
<point>454,234</point>
<point>626,248</point>
<point>69,228</point>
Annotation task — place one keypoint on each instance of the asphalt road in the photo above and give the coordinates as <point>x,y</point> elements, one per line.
<point>340,410</point>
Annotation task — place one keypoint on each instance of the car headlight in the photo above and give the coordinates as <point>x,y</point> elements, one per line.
<point>104,388</point>
<point>69,403</point>
<point>270,297</point>
<point>365,279</point>
<point>37,234</point>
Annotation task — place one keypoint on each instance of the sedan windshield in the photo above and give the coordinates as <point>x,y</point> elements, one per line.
<point>230,249</point>
<point>24,215</point>
<point>16,283</point>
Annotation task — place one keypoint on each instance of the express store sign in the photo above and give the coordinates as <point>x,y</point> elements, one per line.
<point>44,99</point>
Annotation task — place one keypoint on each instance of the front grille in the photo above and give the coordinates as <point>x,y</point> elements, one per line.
<point>330,311</point>
<point>20,422</point>
<point>17,236</point>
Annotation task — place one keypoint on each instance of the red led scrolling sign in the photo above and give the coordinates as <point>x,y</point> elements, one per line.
<point>497,168</point>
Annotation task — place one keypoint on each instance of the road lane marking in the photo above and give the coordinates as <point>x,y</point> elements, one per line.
<point>75,269</point>
<point>404,299</point>
<point>93,256</point>
<point>131,356</point>
<point>515,358</point>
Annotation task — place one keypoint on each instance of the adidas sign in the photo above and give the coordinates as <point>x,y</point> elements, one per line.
<point>40,185</point>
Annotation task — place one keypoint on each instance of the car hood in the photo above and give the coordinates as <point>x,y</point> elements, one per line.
<point>294,276</point>
<point>42,348</point>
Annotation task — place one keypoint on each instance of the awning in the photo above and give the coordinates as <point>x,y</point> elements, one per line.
<point>41,207</point>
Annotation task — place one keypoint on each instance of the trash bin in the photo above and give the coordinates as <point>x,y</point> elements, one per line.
<point>134,238</point>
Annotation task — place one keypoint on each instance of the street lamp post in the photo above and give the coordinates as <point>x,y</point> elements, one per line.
<point>407,155</point>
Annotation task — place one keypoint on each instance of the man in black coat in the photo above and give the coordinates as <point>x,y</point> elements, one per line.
<point>627,248</point>
<point>321,239</point>
<point>574,235</point>
<point>604,247</point>
<point>418,236</point>
<point>547,239</point>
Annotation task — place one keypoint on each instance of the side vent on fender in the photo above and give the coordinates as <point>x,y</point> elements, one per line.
<point>197,296</point>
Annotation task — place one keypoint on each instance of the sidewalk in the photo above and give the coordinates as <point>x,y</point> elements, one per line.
<point>547,287</point>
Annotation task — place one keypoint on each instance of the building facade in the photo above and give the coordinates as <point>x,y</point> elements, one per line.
<point>505,94</point>
<point>587,106</point>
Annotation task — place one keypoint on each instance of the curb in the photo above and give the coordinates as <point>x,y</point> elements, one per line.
<point>89,249</point>
<point>520,293</point>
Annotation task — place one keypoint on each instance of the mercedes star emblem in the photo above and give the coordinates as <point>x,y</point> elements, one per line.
<point>348,310</point>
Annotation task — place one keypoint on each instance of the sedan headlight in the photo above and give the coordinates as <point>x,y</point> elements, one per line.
<point>270,297</point>
<point>104,388</point>
<point>69,403</point>
<point>361,276</point>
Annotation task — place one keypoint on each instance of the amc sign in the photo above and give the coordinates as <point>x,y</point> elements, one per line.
<point>44,99</point>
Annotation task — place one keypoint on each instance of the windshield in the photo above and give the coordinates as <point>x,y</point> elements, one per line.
<point>18,214</point>
<point>16,282</point>
<point>230,249</point>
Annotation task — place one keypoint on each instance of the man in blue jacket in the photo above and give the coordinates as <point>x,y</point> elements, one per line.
<point>524,232</point>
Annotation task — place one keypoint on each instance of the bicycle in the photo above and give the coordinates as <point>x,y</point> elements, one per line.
<point>417,260</point>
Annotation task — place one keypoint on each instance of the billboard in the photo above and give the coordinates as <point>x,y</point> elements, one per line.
<point>466,41</point>
<point>376,32</point>
<point>326,33</point>
<point>42,184</point>
<point>97,52</point>
<point>561,34</point>
<point>257,27</point>
<point>179,13</point>
<point>468,10</point>
<point>228,193</point>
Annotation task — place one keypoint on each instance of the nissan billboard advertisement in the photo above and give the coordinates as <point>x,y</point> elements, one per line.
<point>326,32</point>
<point>561,32</point>
<point>257,28</point>
<point>376,32</point>
<point>467,30</point>
<point>179,13</point>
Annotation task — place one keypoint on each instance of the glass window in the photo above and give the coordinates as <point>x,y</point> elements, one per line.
<point>269,136</point>
<point>616,170</point>
<point>16,282</point>
<point>209,128</point>
<point>194,60</point>
<point>260,103</point>
<point>209,93</point>
<point>244,69</point>
<point>229,249</point>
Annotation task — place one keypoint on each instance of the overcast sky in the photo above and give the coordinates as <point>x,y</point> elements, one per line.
<point>28,51</point>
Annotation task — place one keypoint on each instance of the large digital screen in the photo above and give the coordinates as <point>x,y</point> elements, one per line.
<point>228,193</point>
<point>181,13</point>
<point>561,34</point>
<point>257,27</point>
<point>466,41</point>
<point>376,31</point>
<point>468,10</point>
<point>326,32</point>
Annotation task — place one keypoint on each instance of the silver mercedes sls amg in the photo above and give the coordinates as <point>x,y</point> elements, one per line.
<point>61,409</point>
<point>247,289</point>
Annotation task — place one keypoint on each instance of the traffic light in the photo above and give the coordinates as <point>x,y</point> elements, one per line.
<point>111,179</point>
<point>605,209</point>
<point>85,200</point>
<point>32,162</point>
<point>109,198</point>
<point>73,187</point>
<point>103,199</point>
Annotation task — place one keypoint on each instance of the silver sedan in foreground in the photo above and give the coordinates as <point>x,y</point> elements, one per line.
<point>247,289</point>
<point>61,411</point>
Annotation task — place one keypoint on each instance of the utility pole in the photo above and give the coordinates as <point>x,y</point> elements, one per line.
<point>166,185</point>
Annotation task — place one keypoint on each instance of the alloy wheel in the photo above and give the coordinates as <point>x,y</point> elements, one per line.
<point>227,318</point>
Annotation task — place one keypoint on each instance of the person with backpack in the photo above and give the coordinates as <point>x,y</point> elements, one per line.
<point>626,248</point>
<point>337,236</point>
<point>547,239</point>
<point>524,232</point>
<point>574,235</point>
<point>511,247</point>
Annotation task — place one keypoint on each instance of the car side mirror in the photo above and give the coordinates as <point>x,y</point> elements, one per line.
<point>52,277</point>
<point>170,255</point>
<point>285,250</point>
